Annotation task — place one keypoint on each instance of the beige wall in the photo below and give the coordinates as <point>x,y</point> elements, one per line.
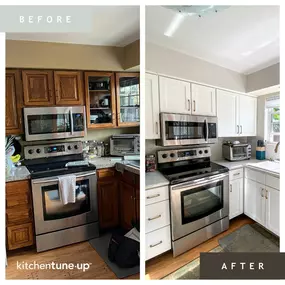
<point>264,78</point>
<point>32,54</point>
<point>172,63</point>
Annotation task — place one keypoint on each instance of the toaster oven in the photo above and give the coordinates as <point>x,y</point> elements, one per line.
<point>235,152</point>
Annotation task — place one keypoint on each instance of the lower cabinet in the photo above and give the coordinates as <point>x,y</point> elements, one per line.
<point>261,202</point>
<point>19,215</point>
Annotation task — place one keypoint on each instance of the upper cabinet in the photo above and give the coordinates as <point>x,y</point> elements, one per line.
<point>68,88</point>
<point>13,102</point>
<point>152,126</point>
<point>174,95</point>
<point>48,88</point>
<point>100,99</point>
<point>38,88</point>
<point>203,100</point>
<point>236,114</point>
<point>128,99</point>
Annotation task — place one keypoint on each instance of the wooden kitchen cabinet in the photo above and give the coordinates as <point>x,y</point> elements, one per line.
<point>128,99</point>
<point>13,104</point>
<point>38,87</point>
<point>152,126</point>
<point>68,88</point>
<point>19,215</point>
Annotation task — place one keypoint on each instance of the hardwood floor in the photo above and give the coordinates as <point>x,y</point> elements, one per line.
<point>76,253</point>
<point>165,264</point>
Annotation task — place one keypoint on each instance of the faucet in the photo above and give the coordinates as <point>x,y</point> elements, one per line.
<point>276,147</point>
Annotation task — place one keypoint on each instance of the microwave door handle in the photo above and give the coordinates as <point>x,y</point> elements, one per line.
<point>206,130</point>
<point>71,120</point>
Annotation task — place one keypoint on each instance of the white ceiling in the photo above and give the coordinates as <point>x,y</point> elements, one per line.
<point>112,26</point>
<point>241,38</point>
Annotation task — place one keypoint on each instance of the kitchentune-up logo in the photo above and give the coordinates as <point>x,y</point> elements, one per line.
<point>45,19</point>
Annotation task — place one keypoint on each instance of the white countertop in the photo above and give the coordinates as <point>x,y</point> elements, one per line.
<point>18,173</point>
<point>154,179</point>
<point>236,164</point>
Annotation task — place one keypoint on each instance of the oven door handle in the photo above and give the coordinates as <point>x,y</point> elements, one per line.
<point>71,120</point>
<point>199,182</point>
<point>56,179</point>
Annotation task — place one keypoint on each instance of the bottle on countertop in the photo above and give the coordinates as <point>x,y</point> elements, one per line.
<point>150,163</point>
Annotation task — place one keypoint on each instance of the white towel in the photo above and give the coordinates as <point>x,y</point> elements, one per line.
<point>67,185</point>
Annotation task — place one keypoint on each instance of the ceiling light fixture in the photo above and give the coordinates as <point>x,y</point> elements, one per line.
<point>183,11</point>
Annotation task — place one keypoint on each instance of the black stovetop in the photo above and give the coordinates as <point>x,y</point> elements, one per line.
<point>178,172</point>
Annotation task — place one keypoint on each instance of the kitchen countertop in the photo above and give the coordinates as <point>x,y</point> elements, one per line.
<point>231,165</point>
<point>105,162</point>
<point>155,179</point>
<point>18,173</point>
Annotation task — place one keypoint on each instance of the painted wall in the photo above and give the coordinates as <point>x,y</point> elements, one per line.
<point>172,63</point>
<point>264,78</point>
<point>32,54</point>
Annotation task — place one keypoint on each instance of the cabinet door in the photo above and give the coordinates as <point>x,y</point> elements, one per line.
<point>272,211</point>
<point>100,100</point>
<point>13,103</point>
<point>152,126</point>
<point>68,88</point>
<point>254,201</point>
<point>108,203</point>
<point>20,236</point>
<point>227,113</point>
<point>128,99</point>
<point>174,95</point>
<point>247,115</point>
<point>38,88</point>
<point>127,205</point>
<point>203,100</point>
<point>236,198</point>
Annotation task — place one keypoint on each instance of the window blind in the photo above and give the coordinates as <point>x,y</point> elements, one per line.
<point>272,101</point>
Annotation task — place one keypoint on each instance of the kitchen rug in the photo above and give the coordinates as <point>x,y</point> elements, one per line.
<point>250,238</point>
<point>101,245</point>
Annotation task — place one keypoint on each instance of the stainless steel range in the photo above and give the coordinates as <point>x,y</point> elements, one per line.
<point>57,224</point>
<point>199,196</point>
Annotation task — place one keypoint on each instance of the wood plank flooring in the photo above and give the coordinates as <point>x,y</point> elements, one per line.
<point>76,253</point>
<point>165,264</point>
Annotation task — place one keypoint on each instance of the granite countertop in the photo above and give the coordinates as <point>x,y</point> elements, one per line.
<point>231,165</point>
<point>155,179</point>
<point>128,166</point>
<point>18,173</point>
<point>105,162</point>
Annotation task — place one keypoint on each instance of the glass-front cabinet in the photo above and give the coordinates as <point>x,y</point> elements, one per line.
<point>128,99</point>
<point>100,99</point>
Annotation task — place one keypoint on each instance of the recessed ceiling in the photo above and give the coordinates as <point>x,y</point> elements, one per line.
<point>112,26</point>
<point>241,38</point>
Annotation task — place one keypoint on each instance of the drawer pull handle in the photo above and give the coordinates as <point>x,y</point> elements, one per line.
<point>153,196</point>
<point>235,174</point>
<point>153,245</point>
<point>154,218</point>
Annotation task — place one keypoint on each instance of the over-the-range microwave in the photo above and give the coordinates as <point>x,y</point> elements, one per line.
<point>49,123</point>
<point>183,129</point>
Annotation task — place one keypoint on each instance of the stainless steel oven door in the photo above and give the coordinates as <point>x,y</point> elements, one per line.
<point>49,212</point>
<point>181,129</point>
<point>46,123</point>
<point>198,203</point>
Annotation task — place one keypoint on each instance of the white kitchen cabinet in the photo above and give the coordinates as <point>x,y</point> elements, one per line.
<point>254,202</point>
<point>203,100</point>
<point>227,113</point>
<point>236,198</point>
<point>236,114</point>
<point>174,95</point>
<point>152,126</point>
<point>247,115</point>
<point>272,210</point>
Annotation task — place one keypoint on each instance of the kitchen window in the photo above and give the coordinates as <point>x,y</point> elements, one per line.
<point>272,119</point>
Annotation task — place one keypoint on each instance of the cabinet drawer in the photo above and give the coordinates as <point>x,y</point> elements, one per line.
<point>236,174</point>
<point>272,181</point>
<point>157,242</point>
<point>105,173</point>
<point>18,193</point>
<point>20,236</point>
<point>157,216</point>
<point>19,215</point>
<point>156,195</point>
<point>255,175</point>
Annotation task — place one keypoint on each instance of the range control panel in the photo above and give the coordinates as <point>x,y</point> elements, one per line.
<point>183,154</point>
<point>50,150</point>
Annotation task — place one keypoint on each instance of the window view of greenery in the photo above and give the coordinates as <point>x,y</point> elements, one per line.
<point>274,132</point>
